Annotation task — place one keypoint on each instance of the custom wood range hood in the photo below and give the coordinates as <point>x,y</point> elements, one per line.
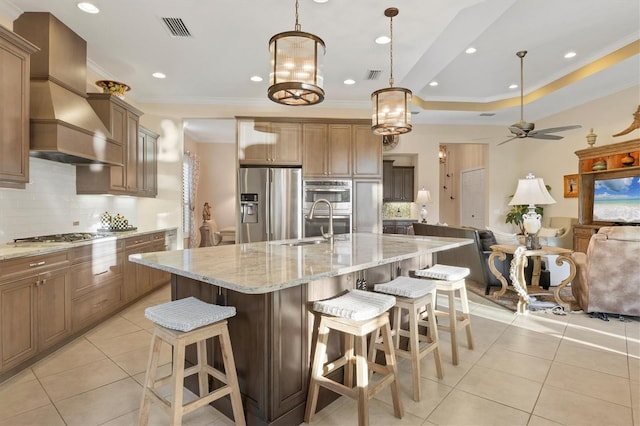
<point>63,126</point>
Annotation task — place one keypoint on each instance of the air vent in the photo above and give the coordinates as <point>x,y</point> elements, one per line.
<point>176,27</point>
<point>373,74</point>
<point>487,114</point>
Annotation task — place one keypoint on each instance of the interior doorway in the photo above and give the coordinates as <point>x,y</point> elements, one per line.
<point>472,198</point>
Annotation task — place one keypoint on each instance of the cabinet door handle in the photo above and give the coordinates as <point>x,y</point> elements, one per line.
<point>33,265</point>
<point>100,273</point>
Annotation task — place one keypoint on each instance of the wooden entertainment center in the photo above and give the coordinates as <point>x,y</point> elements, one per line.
<point>591,166</point>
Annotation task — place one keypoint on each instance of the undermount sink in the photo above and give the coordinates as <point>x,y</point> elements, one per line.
<point>303,243</point>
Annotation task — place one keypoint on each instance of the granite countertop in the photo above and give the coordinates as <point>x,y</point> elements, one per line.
<point>403,219</point>
<point>265,267</point>
<point>13,250</point>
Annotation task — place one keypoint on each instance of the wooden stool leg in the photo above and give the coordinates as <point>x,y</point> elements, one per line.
<point>414,348</point>
<point>467,316</point>
<point>350,358</point>
<point>390,359</point>
<point>203,377</point>
<point>373,348</point>
<point>362,380</point>
<point>232,377</point>
<point>432,332</point>
<point>453,327</point>
<point>177,383</point>
<point>316,370</point>
<point>150,379</point>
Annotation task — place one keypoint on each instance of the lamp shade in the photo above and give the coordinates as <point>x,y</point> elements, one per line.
<point>423,197</point>
<point>531,190</point>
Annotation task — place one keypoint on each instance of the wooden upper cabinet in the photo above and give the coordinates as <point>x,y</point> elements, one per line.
<point>367,152</point>
<point>269,143</point>
<point>326,150</point>
<point>122,120</point>
<point>148,166</point>
<point>15,54</point>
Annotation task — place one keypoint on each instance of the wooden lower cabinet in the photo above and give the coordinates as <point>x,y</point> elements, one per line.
<point>140,279</point>
<point>47,299</point>
<point>35,311</point>
<point>582,235</point>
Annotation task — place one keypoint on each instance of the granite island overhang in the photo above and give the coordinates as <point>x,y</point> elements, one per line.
<point>272,286</point>
<point>264,267</point>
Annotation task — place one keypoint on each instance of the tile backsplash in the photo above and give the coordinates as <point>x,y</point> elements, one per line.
<point>391,210</point>
<point>49,204</point>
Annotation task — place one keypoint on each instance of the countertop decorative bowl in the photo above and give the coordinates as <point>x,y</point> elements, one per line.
<point>114,87</point>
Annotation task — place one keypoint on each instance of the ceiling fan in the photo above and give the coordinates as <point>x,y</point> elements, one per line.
<point>522,129</point>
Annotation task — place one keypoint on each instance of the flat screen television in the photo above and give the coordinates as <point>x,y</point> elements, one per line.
<point>617,200</point>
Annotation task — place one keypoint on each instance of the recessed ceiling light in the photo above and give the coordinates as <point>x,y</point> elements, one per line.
<point>349,81</point>
<point>320,1</point>
<point>433,84</point>
<point>85,6</point>
<point>569,55</point>
<point>159,75</point>
<point>513,86</point>
<point>256,78</point>
<point>471,50</point>
<point>383,40</point>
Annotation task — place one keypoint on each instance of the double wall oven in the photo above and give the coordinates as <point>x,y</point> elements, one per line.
<point>339,193</point>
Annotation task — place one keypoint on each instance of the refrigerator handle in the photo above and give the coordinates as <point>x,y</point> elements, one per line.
<point>267,206</point>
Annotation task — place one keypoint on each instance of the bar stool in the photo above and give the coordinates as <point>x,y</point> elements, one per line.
<point>356,314</point>
<point>450,279</point>
<point>418,298</point>
<point>181,323</point>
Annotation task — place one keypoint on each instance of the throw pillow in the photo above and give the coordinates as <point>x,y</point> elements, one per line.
<point>550,232</point>
<point>487,239</point>
<point>505,237</point>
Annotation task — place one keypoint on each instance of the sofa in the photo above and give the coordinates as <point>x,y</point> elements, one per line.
<point>608,275</point>
<point>474,256</point>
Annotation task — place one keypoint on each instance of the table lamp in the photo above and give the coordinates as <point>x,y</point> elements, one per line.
<point>423,198</point>
<point>531,191</point>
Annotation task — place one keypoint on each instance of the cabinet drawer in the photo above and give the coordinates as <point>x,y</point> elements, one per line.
<point>89,275</point>
<point>95,250</point>
<point>95,304</point>
<point>33,264</point>
<point>138,241</point>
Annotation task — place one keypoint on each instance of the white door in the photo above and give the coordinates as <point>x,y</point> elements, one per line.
<point>472,198</point>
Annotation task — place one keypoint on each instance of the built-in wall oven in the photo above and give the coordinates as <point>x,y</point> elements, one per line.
<point>339,193</point>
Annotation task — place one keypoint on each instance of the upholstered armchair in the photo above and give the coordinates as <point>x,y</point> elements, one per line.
<point>557,231</point>
<point>608,276</point>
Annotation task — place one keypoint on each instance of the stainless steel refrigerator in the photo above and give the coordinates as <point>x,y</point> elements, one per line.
<point>270,204</point>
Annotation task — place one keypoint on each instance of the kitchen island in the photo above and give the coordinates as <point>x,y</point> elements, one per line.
<point>272,285</point>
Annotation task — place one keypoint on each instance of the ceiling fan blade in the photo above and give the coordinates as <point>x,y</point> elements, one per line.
<point>510,139</point>
<point>545,136</point>
<point>517,131</point>
<point>558,129</point>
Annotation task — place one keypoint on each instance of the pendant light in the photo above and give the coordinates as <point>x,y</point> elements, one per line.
<point>295,76</point>
<point>391,113</point>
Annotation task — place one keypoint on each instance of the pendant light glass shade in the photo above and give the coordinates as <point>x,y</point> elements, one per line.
<point>391,112</point>
<point>295,76</point>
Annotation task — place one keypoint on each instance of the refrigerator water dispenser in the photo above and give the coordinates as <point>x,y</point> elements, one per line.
<point>248,208</point>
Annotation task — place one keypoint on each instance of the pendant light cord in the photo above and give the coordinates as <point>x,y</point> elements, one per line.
<point>391,50</point>
<point>297,27</point>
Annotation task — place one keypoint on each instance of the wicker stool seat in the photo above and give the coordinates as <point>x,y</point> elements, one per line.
<point>417,297</point>
<point>181,323</point>
<point>355,314</point>
<point>449,280</point>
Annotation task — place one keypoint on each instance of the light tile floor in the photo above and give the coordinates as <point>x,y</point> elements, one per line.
<point>538,369</point>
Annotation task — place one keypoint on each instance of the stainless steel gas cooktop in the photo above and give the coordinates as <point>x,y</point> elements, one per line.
<point>61,238</point>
